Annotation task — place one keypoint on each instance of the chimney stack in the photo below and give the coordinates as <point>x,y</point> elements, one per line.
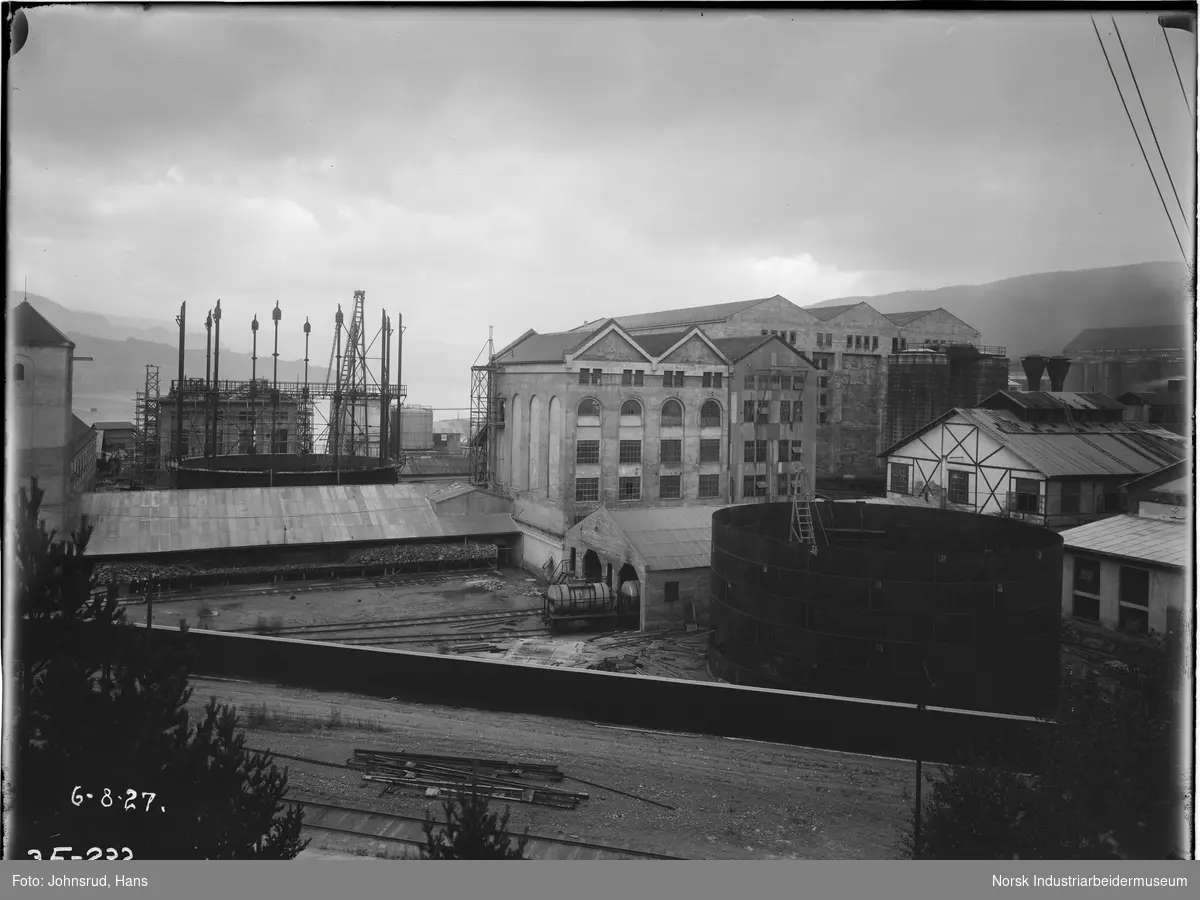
<point>1057,368</point>
<point>1034,367</point>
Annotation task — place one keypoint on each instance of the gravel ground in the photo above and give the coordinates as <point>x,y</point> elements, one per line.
<point>732,799</point>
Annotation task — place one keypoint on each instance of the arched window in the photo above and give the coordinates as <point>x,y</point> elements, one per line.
<point>589,409</point>
<point>710,414</point>
<point>631,409</point>
<point>672,414</point>
<point>19,372</point>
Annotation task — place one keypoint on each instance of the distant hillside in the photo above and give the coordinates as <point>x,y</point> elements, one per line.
<point>113,327</point>
<point>1042,313</point>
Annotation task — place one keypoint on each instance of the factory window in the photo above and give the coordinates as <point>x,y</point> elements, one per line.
<point>798,381</point>
<point>670,591</point>
<point>19,372</point>
<point>1087,608</point>
<point>748,383</point>
<point>785,449</point>
<point>631,409</point>
<point>710,451</point>
<point>1025,496</point>
<point>748,411</point>
<point>710,414</point>
<point>958,487</point>
<point>764,382</point>
<point>710,486</point>
<point>671,452</point>
<point>631,452</point>
<point>280,443</point>
<point>875,342</point>
<point>596,373</point>
<point>668,487</point>
<point>820,340</point>
<point>589,409</point>
<point>633,377</point>
<point>629,488</point>
<point>764,331</point>
<point>672,379</point>
<point>895,345</point>
<point>748,451</point>
<point>584,376</point>
<point>754,486</point>
<point>1069,497</point>
<point>825,364</point>
<point>849,342</point>
<point>587,490</point>
<point>672,414</point>
<point>792,337</point>
<point>823,400</point>
<point>587,453</point>
<point>822,417</point>
<point>1135,587</point>
<point>707,379</point>
<point>858,342</point>
<point>775,381</point>
<point>785,485</point>
<point>502,401</point>
<point>785,410</point>
<point>899,479</point>
<point>1087,575</point>
<point>764,411</point>
<point>903,343</point>
<point>1132,618</point>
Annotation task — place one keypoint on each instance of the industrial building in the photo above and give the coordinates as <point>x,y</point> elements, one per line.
<point>83,457</point>
<point>1055,459</point>
<point>1130,572</point>
<point>116,437</point>
<point>924,383</point>
<point>1114,361</point>
<point>244,419</point>
<point>567,423</point>
<point>411,428</point>
<point>850,344</point>
<point>40,429</point>
<point>1169,407</point>
<point>888,602</point>
<point>666,552</point>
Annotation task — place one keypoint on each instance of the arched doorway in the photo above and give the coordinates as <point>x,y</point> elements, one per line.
<point>627,573</point>
<point>591,567</point>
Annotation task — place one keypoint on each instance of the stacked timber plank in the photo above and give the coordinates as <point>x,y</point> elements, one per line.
<point>452,776</point>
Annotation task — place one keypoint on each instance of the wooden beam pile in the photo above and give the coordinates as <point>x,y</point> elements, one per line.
<point>438,775</point>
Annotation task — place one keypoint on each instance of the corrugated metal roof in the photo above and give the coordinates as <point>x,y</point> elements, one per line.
<point>658,344</point>
<point>676,538</point>
<point>1053,400</point>
<point>1093,448</point>
<point>691,315</point>
<point>131,523</point>
<point>825,313</point>
<point>31,329</point>
<point>1134,537</point>
<point>1142,337</point>
<point>81,433</point>
<point>906,318</point>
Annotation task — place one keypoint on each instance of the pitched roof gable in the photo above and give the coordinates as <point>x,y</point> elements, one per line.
<point>32,329</point>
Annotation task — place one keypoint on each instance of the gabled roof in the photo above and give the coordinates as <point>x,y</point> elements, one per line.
<point>736,348</point>
<point>905,318</point>
<point>1139,538</point>
<point>81,433</point>
<point>825,313</point>
<point>658,344</point>
<point>113,426</point>
<point>31,328</point>
<point>1051,400</point>
<point>1060,450</point>
<point>665,538</point>
<point>1154,398</point>
<point>1136,337</point>
<point>690,315</point>
<point>541,348</point>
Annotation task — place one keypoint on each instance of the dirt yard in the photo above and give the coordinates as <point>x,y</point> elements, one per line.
<point>732,799</point>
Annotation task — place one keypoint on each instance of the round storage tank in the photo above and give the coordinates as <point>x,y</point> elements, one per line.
<point>892,591</point>
<point>414,425</point>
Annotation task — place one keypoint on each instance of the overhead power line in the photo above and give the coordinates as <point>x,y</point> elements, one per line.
<point>1138,137</point>
<point>1149,122</point>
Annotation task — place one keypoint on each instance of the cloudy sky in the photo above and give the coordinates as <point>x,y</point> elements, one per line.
<point>535,169</point>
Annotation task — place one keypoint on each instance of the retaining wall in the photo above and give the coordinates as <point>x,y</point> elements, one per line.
<point>811,720</point>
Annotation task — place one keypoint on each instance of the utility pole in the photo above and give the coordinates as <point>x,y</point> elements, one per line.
<point>924,686</point>
<point>216,385</point>
<point>179,452</point>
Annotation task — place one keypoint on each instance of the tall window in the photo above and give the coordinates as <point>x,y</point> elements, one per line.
<point>1085,598</point>
<point>958,487</point>
<point>587,490</point>
<point>710,486</point>
<point>710,451</point>
<point>671,452</point>
<point>754,486</point>
<point>1025,495</point>
<point>629,488</point>
<point>672,414</point>
<point>748,451</point>
<point>587,453</point>
<point>748,411</point>
<point>631,452</point>
<point>633,377</point>
<point>668,487</point>
<point>900,478</point>
<point>712,379</point>
<point>631,409</point>
<point>785,410</point>
<point>775,382</point>
<point>584,376</point>
<point>672,379</point>
<point>785,449</point>
<point>764,411</point>
<point>589,412</point>
<point>710,414</point>
<point>1134,600</point>
<point>748,383</point>
<point>19,372</point>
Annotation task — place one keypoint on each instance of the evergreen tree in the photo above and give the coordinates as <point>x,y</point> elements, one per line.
<point>471,831</point>
<point>102,710</point>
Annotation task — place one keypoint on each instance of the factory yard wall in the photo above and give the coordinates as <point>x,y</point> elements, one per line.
<point>679,607</point>
<point>810,720</point>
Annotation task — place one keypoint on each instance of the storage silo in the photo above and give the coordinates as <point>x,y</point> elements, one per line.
<point>413,426</point>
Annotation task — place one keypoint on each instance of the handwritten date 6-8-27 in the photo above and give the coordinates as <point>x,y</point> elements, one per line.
<point>131,800</point>
<point>93,853</point>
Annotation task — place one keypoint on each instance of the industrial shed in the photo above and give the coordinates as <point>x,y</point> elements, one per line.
<point>667,550</point>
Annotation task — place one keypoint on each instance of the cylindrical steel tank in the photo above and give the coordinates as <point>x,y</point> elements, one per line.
<point>413,426</point>
<point>892,591</point>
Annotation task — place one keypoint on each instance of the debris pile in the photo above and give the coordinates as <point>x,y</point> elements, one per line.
<point>487,584</point>
<point>451,776</point>
<point>402,554</point>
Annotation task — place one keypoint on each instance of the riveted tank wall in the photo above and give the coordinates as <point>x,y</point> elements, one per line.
<point>892,591</point>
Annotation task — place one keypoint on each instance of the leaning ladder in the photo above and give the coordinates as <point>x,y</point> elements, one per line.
<point>802,523</point>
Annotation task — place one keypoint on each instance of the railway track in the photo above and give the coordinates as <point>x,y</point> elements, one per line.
<point>394,828</point>
<point>484,616</point>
